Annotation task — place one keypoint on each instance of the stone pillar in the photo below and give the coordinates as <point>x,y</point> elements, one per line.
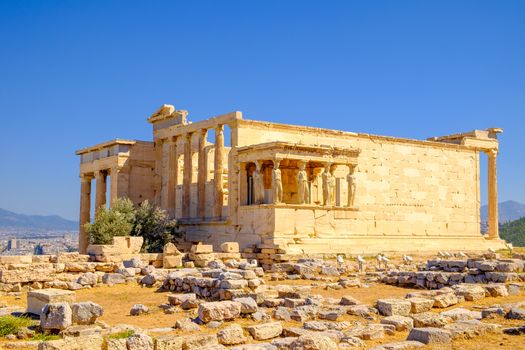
<point>277,183</point>
<point>202,174</point>
<point>218,171</point>
<point>493,229</point>
<point>113,186</point>
<point>186,176</point>
<point>234,173</point>
<point>173,174</point>
<point>157,177</point>
<point>85,212</point>
<point>100,198</point>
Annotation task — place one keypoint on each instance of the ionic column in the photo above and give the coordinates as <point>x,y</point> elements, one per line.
<point>85,212</point>
<point>100,198</point>
<point>173,172</point>
<point>493,229</point>
<point>218,171</point>
<point>186,177</point>
<point>113,187</point>
<point>157,179</point>
<point>202,173</point>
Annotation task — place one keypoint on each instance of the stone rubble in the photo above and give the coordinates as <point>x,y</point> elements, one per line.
<point>214,298</point>
<point>437,274</point>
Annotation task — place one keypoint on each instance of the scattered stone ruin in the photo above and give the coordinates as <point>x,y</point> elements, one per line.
<point>228,304</point>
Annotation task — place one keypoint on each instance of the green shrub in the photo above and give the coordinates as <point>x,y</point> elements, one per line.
<point>124,219</point>
<point>117,221</point>
<point>11,324</point>
<point>154,225</point>
<point>122,335</point>
<point>46,337</point>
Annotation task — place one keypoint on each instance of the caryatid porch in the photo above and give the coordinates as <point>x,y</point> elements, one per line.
<point>281,174</point>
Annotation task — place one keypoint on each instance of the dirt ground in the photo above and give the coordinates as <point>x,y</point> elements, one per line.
<point>118,300</point>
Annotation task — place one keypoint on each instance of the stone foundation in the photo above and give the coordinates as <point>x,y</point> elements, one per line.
<point>442,273</point>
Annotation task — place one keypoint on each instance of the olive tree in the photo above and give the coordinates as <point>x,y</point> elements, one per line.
<point>153,224</point>
<point>124,219</point>
<point>117,221</point>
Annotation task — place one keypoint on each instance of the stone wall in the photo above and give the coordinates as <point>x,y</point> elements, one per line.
<point>404,187</point>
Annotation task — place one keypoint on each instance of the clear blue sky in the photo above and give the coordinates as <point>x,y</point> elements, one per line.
<point>75,73</point>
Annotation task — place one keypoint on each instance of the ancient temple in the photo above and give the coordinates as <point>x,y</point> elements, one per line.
<point>300,189</point>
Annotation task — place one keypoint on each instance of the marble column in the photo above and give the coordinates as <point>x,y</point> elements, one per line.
<point>157,179</point>
<point>202,174</point>
<point>100,197</point>
<point>234,173</point>
<point>187,176</point>
<point>85,212</point>
<point>173,172</point>
<point>113,186</point>
<point>277,184</point>
<point>493,229</point>
<point>218,171</point>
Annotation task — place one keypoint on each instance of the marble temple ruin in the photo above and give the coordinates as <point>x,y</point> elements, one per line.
<point>298,188</point>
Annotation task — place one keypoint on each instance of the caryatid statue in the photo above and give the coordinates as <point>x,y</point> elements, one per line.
<point>333,167</point>
<point>350,179</point>
<point>303,193</point>
<point>277,183</point>
<point>327,185</point>
<point>258,184</point>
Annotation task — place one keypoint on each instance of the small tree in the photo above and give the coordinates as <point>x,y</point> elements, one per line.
<point>153,224</point>
<point>117,221</point>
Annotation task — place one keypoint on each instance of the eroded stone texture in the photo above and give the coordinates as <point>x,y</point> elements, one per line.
<point>86,313</point>
<point>56,316</point>
<point>430,335</point>
<point>231,335</point>
<point>219,311</point>
<point>390,307</point>
<point>266,330</point>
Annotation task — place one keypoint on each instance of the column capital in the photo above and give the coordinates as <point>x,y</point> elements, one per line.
<point>493,152</point>
<point>219,128</point>
<point>99,173</point>
<point>86,177</point>
<point>117,169</point>
<point>160,141</point>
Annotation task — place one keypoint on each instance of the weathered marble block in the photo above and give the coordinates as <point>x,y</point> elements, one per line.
<point>36,299</point>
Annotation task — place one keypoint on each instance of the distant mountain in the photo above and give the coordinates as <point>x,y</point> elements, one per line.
<point>9,219</point>
<point>507,211</point>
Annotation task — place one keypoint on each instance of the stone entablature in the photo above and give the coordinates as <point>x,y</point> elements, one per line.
<point>107,149</point>
<point>301,186</point>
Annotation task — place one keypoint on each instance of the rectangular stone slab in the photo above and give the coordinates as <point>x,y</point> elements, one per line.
<point>36,299</point>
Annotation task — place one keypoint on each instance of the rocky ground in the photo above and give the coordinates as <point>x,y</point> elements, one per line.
<point>309,304</point>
